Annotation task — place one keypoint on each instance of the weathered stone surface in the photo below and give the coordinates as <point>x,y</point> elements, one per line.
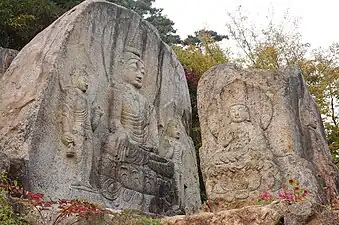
<point>275,213</point>
<point>251,215</point>
<point>259,129</point>
<point>6,57</point>
<point>94,93</point>
<point>4,163</point>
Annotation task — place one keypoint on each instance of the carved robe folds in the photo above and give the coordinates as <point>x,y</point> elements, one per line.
<point>132,174</point>
<point>71,137</point>
<point>259,129</point>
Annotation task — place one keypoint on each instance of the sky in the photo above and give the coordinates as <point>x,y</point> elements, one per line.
<point>318,19</point>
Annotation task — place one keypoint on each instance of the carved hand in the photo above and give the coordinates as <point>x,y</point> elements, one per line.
<point>227,139</point>
<point>67,139</point>
<point>121,139</point>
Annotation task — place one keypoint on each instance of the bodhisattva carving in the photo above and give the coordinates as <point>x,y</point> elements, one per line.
<point>244,164</point>
<point>132,174</point>
<point>172,148</point>
<point>80,120</point>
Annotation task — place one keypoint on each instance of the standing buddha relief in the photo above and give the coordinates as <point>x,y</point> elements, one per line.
<point>131,173</point>
<point>80,120</point>
<point>243,165</point>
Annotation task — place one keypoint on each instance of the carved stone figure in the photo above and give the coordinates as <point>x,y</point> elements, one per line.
<point>259,129</point>
<point>174,146</point>
<point>79,122</point>
<point>70,148</point>
<point>173,149</point>
<point>131,173</point>
<point>244,158</point>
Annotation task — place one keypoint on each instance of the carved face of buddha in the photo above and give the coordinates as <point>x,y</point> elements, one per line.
<point>134,71</point>
<point>239,113</point>
<point>82,83</point>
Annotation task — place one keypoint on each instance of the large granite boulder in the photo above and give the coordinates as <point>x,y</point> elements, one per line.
<point>6,57</point>
<point>98,107</point>
<point>259,129</point>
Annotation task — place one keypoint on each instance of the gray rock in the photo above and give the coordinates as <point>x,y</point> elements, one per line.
<point>6,57</point>
<point>259,129</point>
<point>92,95</point>
<point>4,164</point>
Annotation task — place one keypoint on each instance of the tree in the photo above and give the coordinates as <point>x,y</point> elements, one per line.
<point>197,57</point>
<point>144,8</point>
<point>196,39</point>
<point>275,47</point>
<point>202,51</point>
<point>67,4</point>
<point>153,15</point>
<point>21,20</point>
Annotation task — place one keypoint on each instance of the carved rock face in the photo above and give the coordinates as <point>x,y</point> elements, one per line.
<point>263,215</point>
<point>91,90</point>
<point>260,128</point>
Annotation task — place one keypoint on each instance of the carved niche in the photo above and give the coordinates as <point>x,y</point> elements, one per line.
<point>242,165</point>
<point>131,172</point>
<point>79,120</point>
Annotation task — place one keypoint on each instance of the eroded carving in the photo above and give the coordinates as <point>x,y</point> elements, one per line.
<point>172,148</point>
<point>132,174</point>
<point>80,120</point>
<point>243,166</point>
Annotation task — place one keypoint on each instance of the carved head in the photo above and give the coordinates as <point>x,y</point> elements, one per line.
<point>134,69</point>
<point>239,113</point>
<point>173,129</point>
<point>80,81</point>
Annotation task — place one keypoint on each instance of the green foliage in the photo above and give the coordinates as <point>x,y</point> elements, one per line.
<point>202,53</point>
<point>21,20</point>
<point>275,47</point>
<point>7,214</point>
<point>165,27</point>
<point>197,57</point>
<point>67,4</point>
<point>142,7</point>
<point>153,15</point>
<point>333,140</point>
<point>196,38</point>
